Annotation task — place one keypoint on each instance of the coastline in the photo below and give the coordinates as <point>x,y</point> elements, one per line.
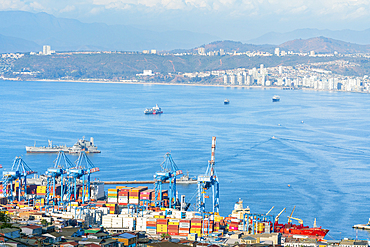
<point>188,84</point>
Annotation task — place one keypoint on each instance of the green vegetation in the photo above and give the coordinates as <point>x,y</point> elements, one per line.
<point>4,220</point>
<point>125,66</point>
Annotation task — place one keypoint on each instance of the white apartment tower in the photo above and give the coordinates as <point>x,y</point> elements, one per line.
<point>46,50</point>
<point>201,51</point>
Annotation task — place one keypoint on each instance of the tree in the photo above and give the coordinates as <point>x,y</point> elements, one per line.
<point>5,220</point>
<point>44,222</point>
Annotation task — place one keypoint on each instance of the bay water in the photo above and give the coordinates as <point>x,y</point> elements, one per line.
<point>310,150</point>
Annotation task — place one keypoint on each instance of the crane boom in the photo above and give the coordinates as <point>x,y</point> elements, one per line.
<point>289,218</point>
<point>277,216</point>
<point>299,220</point>
<point>270,210</point>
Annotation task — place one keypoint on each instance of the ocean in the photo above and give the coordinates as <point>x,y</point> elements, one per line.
<point>310,150</point>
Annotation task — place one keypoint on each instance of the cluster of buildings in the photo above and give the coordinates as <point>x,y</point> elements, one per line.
<point>46,50</point>
<point>310,76</point>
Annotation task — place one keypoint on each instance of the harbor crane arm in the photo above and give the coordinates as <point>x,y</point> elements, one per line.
<point>277,216</point>
<point>299,220</point>
<point>289,218</point>
<point>270,210</point>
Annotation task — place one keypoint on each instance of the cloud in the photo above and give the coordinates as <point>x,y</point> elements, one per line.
<point>68,8</point>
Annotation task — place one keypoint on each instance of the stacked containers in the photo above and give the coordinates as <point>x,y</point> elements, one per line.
<point>184,227</point>
<point>233,225</point>
<point>112,195</point>
<point>117,222</point>
<point>134,194</point>
<point>41,190</point>
<point>151,226</point>
<point>207,227</point>
<point>107,221</point>
<point>146,195</point>
<point>218,220</point>
<point>162,226</point>
<point>123,196</point>
<point>39,202</point>
<point>129,222</point>
<point>173,226</point>
<point>260,227</point>
<point>196,226</point>
<point>113,208</point>
<point>140,224</point>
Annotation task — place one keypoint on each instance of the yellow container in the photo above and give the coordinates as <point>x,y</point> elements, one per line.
<point>173,223</point>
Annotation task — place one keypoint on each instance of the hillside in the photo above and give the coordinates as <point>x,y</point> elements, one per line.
<point>324,45</point>
<point>11,44</point>
<point>109,66</point>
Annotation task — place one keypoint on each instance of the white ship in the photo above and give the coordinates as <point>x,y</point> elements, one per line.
<point>80,145</point>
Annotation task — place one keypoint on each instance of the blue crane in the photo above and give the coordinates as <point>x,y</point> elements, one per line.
<point>61,164</point>
<point>19,171</point>
<point>84,167</point>
<point>209,181</point>
<point>169,171</point>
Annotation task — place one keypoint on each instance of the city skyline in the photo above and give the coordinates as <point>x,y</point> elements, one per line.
<point>226,19</point>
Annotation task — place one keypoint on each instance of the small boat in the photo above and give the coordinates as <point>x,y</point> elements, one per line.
<point>226,102</point>
<point>276,98</point>
<point>362,226</point>
<point>154,110</point>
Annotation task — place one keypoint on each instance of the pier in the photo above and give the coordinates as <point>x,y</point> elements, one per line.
<point>129,182</point>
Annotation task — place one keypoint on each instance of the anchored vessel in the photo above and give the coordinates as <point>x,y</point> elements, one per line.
<point>154,110</point>
<point>80,145</point>
<point>226,101</point>
<point>276,98</point>
<point>185,179</point>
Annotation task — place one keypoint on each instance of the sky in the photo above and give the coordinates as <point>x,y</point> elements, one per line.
<point>227,19</point>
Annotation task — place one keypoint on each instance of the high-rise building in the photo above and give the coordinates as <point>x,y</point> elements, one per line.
<point>46,50</point>
<point>277,51</point>
<point>226,79</point>
<point>201,51</point>
<point>232,79</point>
<point>240,79</point>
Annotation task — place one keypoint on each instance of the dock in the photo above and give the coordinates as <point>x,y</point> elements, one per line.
<point>129,182</point>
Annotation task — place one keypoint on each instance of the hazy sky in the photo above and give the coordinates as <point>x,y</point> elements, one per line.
<point>227,19</point>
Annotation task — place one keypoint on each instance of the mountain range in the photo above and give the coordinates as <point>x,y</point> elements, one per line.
<point>275,38</point>
<point>22,31</point>
<point>64,34</point>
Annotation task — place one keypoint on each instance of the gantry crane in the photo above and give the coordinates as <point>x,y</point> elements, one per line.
<point>83,167</point>
<point>208,181</point>
<point>61,164</point>
<point>169,171</point>
<point>19,171</point>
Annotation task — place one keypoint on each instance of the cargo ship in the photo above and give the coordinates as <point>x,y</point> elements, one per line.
<point>154,110</point>
<point>80,145</point>
<point>290,229</point>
